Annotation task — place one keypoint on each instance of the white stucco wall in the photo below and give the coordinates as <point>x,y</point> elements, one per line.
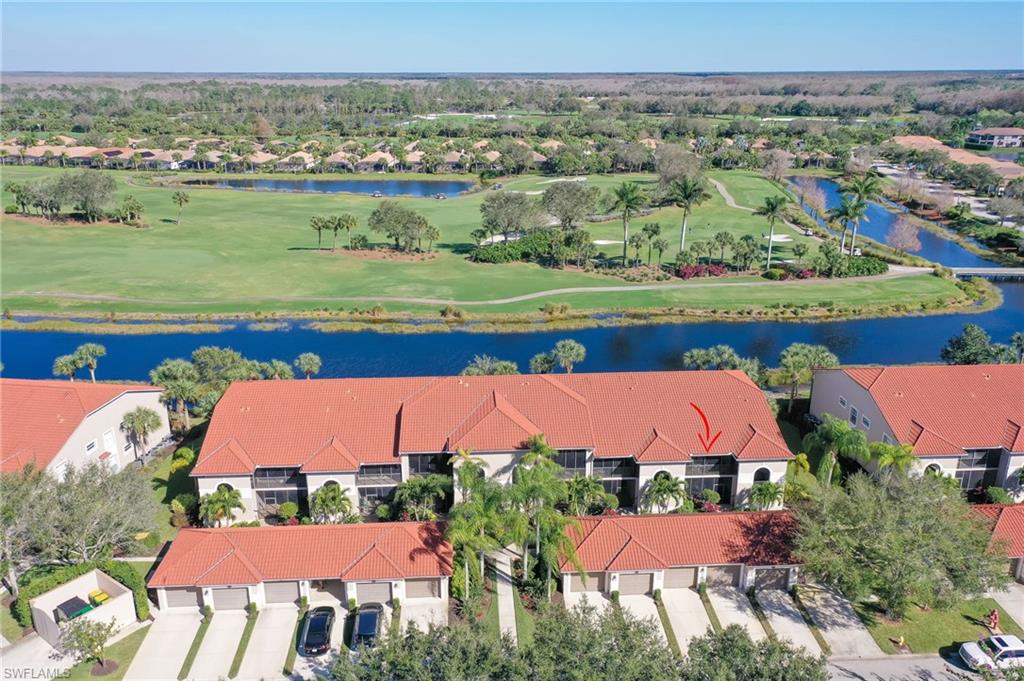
<point>829,385</point>
<point>243,483</point>
<point>103,427</point>
<point>499,465</point>
<point>745,478</point>
<point>646,473</point>
<point>347,481</point>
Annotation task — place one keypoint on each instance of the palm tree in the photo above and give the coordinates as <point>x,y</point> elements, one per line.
<point>628,199</point>
<point>895,456</point>
<point>800,250</point>
<point>538,453</point>
<point>585,494</point>
<point>308,363</point>
<point>138,424</point>
<point>664,492</point>
<point>660,245</point>
<point>864,188</point>
<point>347,222</point>
<point>469,470</point>
<point>534,489</point>
<point>217,508</point>
<point>765,495</point>
<point>318,224</point>
<point>832,439</point>
<point>651,231</point>
<point>179,198</point>
<point>431,233</point>
<point>67,365</point>
<point>1017,343</point>
<point>330,504</point>
<point>418,496</point>
<point>474,524</point>
<point>773,210</point>
<point>798,361</point>
<point>180,381</point>
<point>637,242</point>
<point>687,193</point>
<point>556,546</point>
<point>723,240</point>
<point>568,353</point>
<point>88,355</point>
<point>850,210</point>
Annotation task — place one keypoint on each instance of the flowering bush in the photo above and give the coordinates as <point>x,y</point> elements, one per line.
<point>709,507</point>
<point>691,271</point>
<point>804,274</point>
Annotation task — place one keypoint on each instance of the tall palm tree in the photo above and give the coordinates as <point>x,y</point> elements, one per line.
<point>218,508</point>
<point>772,210</point>
<point>138,424</point>
<point>723,240</point>
<point>534,489</point>
<point>308,363</point>
<point>88,355</point>
<point>66,365</point>
<point>832,439</point>
<point>628,199</point>
<point>798,361</point>
<point>180,199</point>
<point>585,494</point>
<point>865,188</point>
<point>651,231</point>
<point>318,224</point>
<point>418,496</point>
<point>539,453</point>
<point>895,456</point>
<point>469,470</point>
<point>687,193</point>
<point>849,210</point>
<point>180,381</point>
<point>474,525</point>
<point>556,545</point>
<point>664,493</point>
<point>347,222</point>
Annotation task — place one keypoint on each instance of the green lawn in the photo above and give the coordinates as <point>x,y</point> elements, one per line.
<point>525,623</point>
<point>238,251</point>
<point>791,433</point>
<point>935,630</point>
<point>122,652</point>
<point>9,627</point>
<point>167,486</point>
<point>142,567</point>
<point>490,620</point>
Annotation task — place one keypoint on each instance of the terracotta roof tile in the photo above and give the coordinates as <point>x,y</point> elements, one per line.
<point>683,539</point>
<point>942,410</point>
<point>38,417</point>
<point>209,557</point>
<point>1007,525</point>
<point>333,457</point>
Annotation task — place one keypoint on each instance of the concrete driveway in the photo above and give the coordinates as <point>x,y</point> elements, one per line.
<point>686,614</point>
<point>1012,601</point>
<point>786,620</point>
<point>643,607</point>
<point>423,612</point>
<point>733,607</point>
<point>164,649</point>
<point>594,599</point>
<point>310,667</point>
<point>839,624</point>
<point>215,655</point>
<point>33,658</point>
<point>271,639</point>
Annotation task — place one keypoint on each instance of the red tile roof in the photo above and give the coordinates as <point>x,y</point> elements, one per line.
<point>248,555</point>
<point>642,542</point>
<point>38,417</point>
<point>941,410</point>
<point>1007,525</point>
<point>373,420</point>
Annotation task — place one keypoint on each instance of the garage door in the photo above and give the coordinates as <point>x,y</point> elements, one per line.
<point>375,592</point>
<point>594,582</point>
<point>641,583</point>
<point>235,598</point>
<point>680,578</point>
<point>1017,569</point>
<point>724,575</point>
<point>182,598</point>
<point>281,592</point>
<point>422,588</point>
<point>771,578</point>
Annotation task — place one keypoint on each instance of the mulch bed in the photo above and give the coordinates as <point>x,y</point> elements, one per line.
<point>383,254</point>
<point>105,669</point>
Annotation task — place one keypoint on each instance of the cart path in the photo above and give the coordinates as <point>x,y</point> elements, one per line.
<point>895,272</point>
<point>731,203</point>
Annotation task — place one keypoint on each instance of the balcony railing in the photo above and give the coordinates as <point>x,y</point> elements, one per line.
<point>378,479</point>
<point>276,482</point>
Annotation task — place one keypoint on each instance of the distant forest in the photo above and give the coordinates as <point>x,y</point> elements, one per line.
<point>306,105</point>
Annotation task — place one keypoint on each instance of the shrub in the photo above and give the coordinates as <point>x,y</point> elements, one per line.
<point>360,242</point>
<point>186,503</point>
<point>288,510</point>
<point>151,540</point>
<point>776,274</point>
<point>383,512</point>
<point>864,266</point>
<point>306,520</point>
<point>252,610</point>
<point>352,605</point>
<point>711,496</point>
<point>998,495</point>
<point>657,595</point>
<point>533,245</point>
<point>693,271</point>
<point>119,571</point>
<point>615,596</point>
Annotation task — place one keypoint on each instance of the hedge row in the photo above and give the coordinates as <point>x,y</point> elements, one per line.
<point>118,570</point>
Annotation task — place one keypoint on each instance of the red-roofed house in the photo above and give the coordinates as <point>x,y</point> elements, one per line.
<point>961,421</point>
<point>642,553</point>
<point>56,424</point>
<point>279,441</point>
<point>373,562</point>
<point>1008,528</point>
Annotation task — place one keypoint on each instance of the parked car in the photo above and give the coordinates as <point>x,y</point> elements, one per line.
<point>316,632</point>
<point>808,232</point>
<point>368,623</point>
<point>994,652</point>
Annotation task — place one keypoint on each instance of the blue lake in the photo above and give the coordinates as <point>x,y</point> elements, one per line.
<point>332,186</point>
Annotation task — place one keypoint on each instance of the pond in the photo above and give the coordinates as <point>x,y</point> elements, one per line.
<point>28,354</point>
<point>880,219</point>
<point>332,186</point>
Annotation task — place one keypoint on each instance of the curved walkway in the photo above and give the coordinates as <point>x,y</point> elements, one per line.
<point>731,203</point>
<point>895,272</point>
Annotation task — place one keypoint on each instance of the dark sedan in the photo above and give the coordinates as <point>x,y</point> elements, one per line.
<point>368,622</point>
<point>316,632</point>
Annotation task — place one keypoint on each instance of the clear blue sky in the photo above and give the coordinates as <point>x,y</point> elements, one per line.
<point>517,37</point>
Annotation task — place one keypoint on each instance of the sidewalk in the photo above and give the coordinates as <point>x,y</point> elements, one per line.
<point>505,593</point>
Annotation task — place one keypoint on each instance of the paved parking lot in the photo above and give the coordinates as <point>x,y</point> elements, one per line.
<point>839,624</point>
<point>219,645</point>
<point>271,639</point>
<point>786,620</point>
<point>686,614</point>
<point>164,649</point>
<point>733,607</point>
<point>643,607</point>
<point>423,612</point>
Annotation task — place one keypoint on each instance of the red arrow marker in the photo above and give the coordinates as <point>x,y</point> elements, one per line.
<point>706,440</point>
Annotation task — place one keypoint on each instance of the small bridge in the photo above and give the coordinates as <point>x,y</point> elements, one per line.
<point>992,273</point>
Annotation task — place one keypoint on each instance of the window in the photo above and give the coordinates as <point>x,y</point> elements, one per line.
<point>615,468</point>
<point>127,446</point>
<point>371,497</point>
<point>854,415</point>
<point>425,464</point>
<point>379,474</point>
<point>276,477</point>
<point>224,487</point>
<point>762,475</point>
<point>886,439</point>
<point>60,471</point>
<point>696,486</point>
<point>842,402</point>
<point>90,446</point>
<point>624,490</point>
<point>278,496</point>
<point>978,468</point>
<point>711,465</point>
<point>572,460</point>
<point>865,421</point>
